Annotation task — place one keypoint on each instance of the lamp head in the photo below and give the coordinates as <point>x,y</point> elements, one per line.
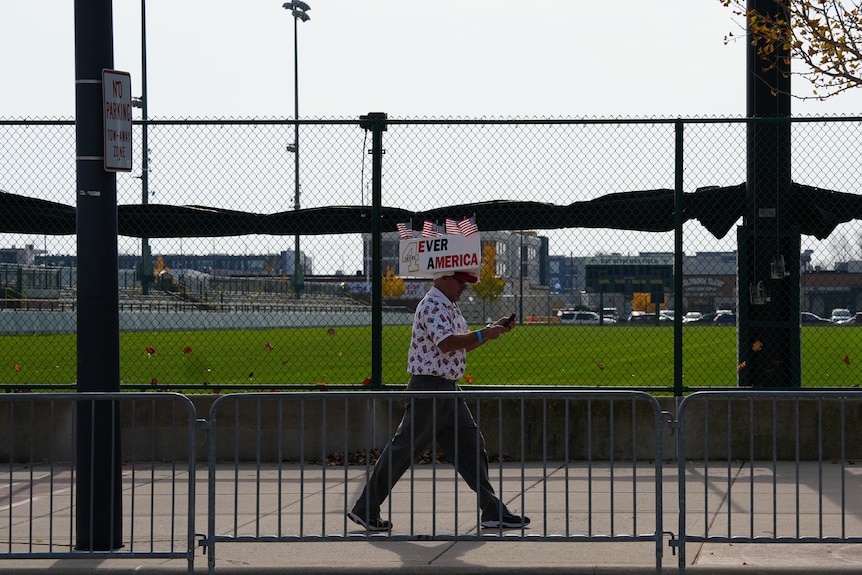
<point>296,5</point>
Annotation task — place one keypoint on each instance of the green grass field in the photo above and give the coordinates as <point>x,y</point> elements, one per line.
<point>590,356</point>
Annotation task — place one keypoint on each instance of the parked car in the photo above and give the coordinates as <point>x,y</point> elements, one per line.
<point>645,318</point>
<point>691,316</point>
<point>808,318</point>
<point>571,317</point>
<point>704,319</point>
<point>724,319</point>
<point>840,315</point>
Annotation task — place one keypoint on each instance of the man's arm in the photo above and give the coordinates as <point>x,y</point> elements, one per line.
<point>471,340</point>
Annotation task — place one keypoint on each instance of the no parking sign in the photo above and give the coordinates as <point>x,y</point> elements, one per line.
<point>117,108</point>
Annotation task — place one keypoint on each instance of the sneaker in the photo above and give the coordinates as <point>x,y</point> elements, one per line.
<point>508,521</point>
<point>369,523</point>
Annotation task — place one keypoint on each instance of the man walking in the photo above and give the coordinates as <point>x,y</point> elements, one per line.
<point>436,360</point>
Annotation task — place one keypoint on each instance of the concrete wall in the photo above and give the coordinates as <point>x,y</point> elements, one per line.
<point>17,322</point>
<point>312,425</point>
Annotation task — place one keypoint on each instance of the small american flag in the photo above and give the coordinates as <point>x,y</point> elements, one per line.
<point>468,226</point>
<point>452,227</point>
<point>405,230</point>
<point>430,230</point>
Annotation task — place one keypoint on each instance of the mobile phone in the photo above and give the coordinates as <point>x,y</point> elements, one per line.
<point>508,321</point>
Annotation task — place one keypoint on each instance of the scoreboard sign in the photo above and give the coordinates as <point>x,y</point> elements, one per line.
<point>629,274</point>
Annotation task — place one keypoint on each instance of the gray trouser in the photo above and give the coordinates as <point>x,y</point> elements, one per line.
<point>439,422</point>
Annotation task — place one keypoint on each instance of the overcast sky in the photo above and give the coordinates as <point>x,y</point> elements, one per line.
<point>411,59</point>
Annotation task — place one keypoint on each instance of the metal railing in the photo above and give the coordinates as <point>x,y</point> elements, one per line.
<point>52,506</point>
<point>768,467</point>
<point>585,465</point>
<point>299,461</point>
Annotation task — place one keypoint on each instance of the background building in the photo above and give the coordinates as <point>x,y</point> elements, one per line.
<point>536,283</point>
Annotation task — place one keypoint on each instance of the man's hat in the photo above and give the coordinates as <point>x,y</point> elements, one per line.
<point>465,277</point>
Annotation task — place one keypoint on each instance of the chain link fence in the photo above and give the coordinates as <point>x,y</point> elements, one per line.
<point>215,295</point>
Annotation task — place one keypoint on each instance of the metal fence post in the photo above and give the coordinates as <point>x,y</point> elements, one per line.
<point>376,122</point>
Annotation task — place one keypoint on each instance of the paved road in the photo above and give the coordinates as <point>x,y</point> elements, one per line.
<point>718,498</point>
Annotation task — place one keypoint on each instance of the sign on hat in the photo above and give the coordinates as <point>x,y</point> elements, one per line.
<point>446,254</point>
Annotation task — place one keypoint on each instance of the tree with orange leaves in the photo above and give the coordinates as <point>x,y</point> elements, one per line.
<point>489,288</point>
<point>392,285</point>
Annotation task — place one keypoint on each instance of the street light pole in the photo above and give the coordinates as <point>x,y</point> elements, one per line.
<point>146,261</point>
<point>298,10</point>
<point>145,274</point>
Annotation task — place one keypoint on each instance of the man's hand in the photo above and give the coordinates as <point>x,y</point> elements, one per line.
<point>498,328</point>
<point>471,340</point>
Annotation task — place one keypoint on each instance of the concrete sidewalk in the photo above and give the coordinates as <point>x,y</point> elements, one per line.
<point>598,501</point>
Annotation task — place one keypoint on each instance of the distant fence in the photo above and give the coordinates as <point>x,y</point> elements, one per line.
<point>620,177</point>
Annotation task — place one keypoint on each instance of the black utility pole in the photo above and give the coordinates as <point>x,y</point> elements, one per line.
<point>769,345</point>
<point>98,487</point>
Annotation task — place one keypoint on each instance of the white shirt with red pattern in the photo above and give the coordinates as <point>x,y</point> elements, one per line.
<point>436,318</point>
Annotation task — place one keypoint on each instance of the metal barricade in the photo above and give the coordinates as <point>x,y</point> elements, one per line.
<point>62,497</point>
<point>769,467</point>
<point>585,465</point>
